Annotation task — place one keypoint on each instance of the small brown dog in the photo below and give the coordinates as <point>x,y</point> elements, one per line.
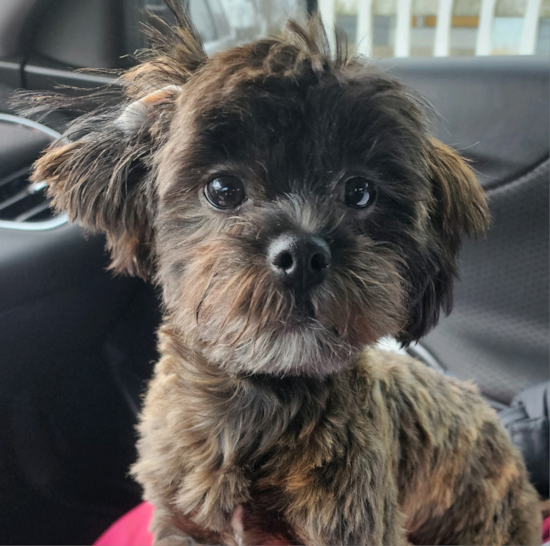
<point>294,208</point>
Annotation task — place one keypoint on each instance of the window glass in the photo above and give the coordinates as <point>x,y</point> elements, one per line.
<point>223,23</point>
<point>389,28</point>
<point>255,18</point>
<point>424,28</point>
<point>201,16</point>
<point>220,18</point>
<point>200,13</point>
<point>543,42</point>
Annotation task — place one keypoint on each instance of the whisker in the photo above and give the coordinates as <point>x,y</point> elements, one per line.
<point>203,297</point>
<point>237,300</point>
<point>256,293</point>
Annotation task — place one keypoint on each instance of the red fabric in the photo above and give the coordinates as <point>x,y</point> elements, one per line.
<point>132,529</point>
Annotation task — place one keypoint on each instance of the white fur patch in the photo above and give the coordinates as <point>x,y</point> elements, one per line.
<point>307,350</point>
<point>136,115</point>
<point>237,525</point>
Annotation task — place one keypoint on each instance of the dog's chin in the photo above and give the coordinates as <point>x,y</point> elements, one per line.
<point>301,348</point>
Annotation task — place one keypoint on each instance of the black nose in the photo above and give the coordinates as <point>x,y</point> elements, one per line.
<point>300,261</point>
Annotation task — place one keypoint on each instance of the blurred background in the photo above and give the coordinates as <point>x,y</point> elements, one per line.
<point>403,28</point>
<point>68,33</point>
<point>424,28</point>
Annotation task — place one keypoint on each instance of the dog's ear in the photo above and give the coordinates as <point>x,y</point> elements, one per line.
<point>102,171</point>
<point>458,206</point>
<point>101,175</point>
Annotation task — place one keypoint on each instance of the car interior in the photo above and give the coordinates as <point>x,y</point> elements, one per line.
<point>77,343</point>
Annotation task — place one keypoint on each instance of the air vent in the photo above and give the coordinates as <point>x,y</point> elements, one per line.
<point>21,201</point>
<point>23,205</point>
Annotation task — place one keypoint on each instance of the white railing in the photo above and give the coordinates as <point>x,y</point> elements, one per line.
<point>444,16</point>
<point>528,41</point>
<point>442,43</point>
<point>402,47</point>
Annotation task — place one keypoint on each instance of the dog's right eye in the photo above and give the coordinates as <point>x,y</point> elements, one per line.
<point>225,192</point>
<point>359,192</point>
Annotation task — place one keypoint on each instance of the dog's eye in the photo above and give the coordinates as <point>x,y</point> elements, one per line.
<point>359,192</point>
<point>225,192</point>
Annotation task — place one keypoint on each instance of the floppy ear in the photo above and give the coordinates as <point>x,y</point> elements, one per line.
<point>458,206</point>
<point>102,171</point>
<point>103,179</point>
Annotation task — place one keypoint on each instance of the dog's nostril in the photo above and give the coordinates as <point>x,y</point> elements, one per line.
<point>284,261</point>
<point>319,261</point>
<point>300,261</point>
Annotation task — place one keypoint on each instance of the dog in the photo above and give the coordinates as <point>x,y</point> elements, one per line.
<point>294,208</point>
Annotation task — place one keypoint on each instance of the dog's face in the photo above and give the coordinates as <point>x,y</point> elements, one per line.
<point>293,209</point>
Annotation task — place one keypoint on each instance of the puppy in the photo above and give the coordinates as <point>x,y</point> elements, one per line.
<point>294,208</point>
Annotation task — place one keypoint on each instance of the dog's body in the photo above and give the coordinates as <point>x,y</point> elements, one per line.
<point>384,452</point>
<point>294,208</point>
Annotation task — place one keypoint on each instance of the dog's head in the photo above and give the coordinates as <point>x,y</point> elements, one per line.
<point>293,207</point>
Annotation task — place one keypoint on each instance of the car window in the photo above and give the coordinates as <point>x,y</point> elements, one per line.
<point>220,18</point>
<point>442,28</point>
<point>224,23</point>
<point>374,28</point>
<point>201,16</point>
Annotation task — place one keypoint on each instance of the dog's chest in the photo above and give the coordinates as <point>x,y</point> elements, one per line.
<point>263,523</point>
<point>273,448</point>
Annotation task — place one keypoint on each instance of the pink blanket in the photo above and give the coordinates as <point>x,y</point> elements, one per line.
<point>132,529</point>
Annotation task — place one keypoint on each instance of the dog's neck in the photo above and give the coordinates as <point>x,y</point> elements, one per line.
<point>248,411</point>
<point>217,382</point>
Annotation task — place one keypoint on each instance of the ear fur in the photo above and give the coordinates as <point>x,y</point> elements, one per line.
<point>460,202</point>
<point>101,171</point>
<point>103,184</point>
<point>459,206</point>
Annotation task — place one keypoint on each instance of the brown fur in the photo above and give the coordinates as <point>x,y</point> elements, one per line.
<point>270,419</point>
<point>381,451</point>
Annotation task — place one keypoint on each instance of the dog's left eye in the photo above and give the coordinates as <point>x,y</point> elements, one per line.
<point>225,192</point>
<point>359,192</point>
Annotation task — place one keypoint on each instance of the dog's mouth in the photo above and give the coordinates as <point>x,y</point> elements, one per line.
<point>306,318</point>
<point>291,334</point>
<point>303,313</point>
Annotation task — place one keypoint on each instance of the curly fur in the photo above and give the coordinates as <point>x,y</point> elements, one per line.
<point>269,419</point>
